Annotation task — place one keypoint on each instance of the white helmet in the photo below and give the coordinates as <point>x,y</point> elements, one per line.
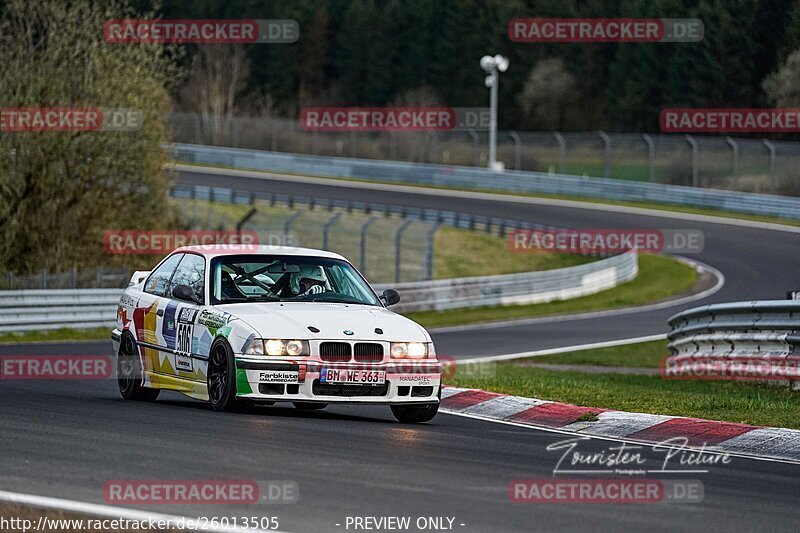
<point>312,272</point>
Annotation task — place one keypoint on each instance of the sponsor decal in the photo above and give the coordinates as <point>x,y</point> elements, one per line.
<point>212,320</point>
<point>278,376</point>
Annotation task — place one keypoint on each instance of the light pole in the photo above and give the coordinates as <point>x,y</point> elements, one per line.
<point>493,66</point>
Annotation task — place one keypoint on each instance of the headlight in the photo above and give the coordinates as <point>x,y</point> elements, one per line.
<point>289,348</point>
<point>254,347</point>
<point>411,350</point>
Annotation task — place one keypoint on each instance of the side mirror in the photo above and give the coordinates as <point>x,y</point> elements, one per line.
<point>390,297</point>
<point>186,293</point>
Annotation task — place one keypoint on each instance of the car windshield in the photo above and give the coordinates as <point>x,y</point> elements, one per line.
<point>274,278</point>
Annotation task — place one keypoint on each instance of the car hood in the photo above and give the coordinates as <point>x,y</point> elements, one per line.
<point>292,319</point>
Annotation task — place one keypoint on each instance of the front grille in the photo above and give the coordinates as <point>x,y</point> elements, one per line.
<point>368,352</point>
<point>334,389</point>
<point>334,351</point>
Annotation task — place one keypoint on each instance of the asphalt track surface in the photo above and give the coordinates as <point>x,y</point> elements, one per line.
<point>757,263</point>
<point>67,438</point>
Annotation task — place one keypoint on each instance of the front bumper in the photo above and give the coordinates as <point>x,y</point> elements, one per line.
<point>295,380</point>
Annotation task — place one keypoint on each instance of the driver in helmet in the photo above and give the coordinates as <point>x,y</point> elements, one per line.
<point>310,280</point>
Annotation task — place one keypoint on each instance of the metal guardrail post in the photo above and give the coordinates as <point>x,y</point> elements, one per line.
<point>772,157</point>
<point>240,224</point>
<point>314,142</point>
<point>392,145</point>
<point>562,151</point>
<point>288,224</point>
<point>100,276</point>
<point>273,140</point>
<point>651,157</point>
<point>43,279</point>
<point>476,148</point>
<point>694,146</point>
<point>197,130</point>
<point>606,154</point>
<point>517,149</point>
<point>362,245</point>
<point>397,242</point>
<point>429,250</point>
<point>327,227</point>
<point>734,161</point>
<point>74,277</point>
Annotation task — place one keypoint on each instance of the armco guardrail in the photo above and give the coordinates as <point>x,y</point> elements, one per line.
<point>767,331</point>
<point>83,308</point>
<point>522,288</point>
<point>28,310</point>
<point>476,178</point>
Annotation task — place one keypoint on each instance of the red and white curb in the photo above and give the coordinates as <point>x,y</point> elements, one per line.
<point>726,437</point>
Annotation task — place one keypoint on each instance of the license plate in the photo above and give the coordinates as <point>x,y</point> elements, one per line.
<point>366,377</point>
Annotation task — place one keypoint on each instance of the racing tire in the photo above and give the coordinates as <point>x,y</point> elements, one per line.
<point>221,379</point>
<point>129,373</point>
<point>309,406</point>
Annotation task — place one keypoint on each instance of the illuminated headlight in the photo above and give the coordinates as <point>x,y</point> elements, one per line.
<point>411,350</point>
<point>289,348</point>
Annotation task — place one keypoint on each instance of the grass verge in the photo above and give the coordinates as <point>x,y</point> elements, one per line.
<point>640,355</point>
<point>659,277</point>
<point>750,403</point>
<point>52,335</point>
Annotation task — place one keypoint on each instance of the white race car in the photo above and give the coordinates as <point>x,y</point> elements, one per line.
<point>233,325</point>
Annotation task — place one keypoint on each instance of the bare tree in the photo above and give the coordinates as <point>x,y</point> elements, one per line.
<point>547,93</point>
<point>214,89</point>
<point>783,86</point>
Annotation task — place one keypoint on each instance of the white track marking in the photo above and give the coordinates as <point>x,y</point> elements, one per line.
<point>491,197</point>
<point>107,511</point>
<point>563,349</point>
